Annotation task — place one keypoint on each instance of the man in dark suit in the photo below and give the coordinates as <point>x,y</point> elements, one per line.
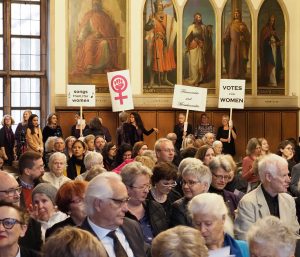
<point>106,204</point>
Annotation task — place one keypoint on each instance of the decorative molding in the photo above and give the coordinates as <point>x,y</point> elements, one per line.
<point>165,101</point>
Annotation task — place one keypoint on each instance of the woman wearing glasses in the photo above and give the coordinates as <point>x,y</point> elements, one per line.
<point>13,225</point>
<point>220,168</point>
<point>196,180</point>
<point>150,214</point>
<point>163,183</point>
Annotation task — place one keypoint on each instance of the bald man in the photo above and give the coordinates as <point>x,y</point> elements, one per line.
<point>10,192</point>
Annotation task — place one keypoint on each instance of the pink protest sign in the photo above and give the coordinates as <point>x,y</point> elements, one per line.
<point>120,90</point>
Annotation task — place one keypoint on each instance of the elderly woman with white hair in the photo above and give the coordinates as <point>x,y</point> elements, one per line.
<point>91,159</point>
<point>209,214</point>
<point>217,147</point>
<point>196,180</point>
<point>270,235</point>
<point>150,214</point>
<point>57,167</point>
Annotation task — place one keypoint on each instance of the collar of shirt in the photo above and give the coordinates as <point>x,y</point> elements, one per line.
<point>108,242</point>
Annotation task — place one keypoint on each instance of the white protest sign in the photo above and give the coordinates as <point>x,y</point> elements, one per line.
<point>232,93</point>
<point>81,95</point>
<point>189,98</point>
<point>120,90</point>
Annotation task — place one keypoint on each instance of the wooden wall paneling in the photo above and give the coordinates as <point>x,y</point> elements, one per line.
<point>255,122</point>
<point>216,119</point>
<point>66,121</point>
<point>190,118</point>
<point>110,120</point>
<point>240,124</point>
<point>165,122</point>
<point>289,124</point>
<point>273,129</point>
<point>150,121</point>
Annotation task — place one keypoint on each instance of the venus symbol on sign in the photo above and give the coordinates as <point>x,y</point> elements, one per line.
<point>119,85</point>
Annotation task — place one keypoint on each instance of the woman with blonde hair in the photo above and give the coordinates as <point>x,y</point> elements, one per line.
<point>180,241</point>
<point>7,140</point>
<point>73,242</point>
<point>223,135</point>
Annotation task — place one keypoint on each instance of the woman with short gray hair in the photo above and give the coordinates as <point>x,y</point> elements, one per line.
<point>150,214</point>
<point>209,214</point>
<point>196,180</point>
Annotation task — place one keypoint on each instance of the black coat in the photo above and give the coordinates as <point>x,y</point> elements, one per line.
<point>156,214</point>
<point>179,214</point>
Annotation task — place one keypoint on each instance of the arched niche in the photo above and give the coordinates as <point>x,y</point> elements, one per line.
<point>236,35</point>
<point>271,49</point>
<point>199,44</point>
<point>159,46</point>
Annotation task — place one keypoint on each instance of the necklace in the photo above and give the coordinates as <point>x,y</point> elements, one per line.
<point>158,198</point>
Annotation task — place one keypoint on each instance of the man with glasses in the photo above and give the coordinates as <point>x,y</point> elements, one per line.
<point>31,168</point>
<point>13,225</point>
<point>269,198</point>
<point>164,150</point>
<point>196,180</point>
<point>106,204</point>
<point>10,193</point>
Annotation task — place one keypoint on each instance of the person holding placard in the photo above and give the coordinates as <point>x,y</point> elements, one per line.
<point>223,135</point>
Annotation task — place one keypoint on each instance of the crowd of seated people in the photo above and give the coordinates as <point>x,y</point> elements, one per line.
<point>186,197</point>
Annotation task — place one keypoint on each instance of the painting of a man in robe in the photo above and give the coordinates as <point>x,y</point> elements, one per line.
<point>271,46</point>
<point>236,37</point>
<point>198,45</point>
<point>160,31</point>
<point>95,47</point>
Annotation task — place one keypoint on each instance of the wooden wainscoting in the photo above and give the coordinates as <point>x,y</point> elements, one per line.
<point>273,124</point>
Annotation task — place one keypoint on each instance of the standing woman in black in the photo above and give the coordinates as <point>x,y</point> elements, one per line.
<point>20,134</point>
<point>222,135</point>
<point>135,120</point>
<point>52,129</point>
<point>7,140</point>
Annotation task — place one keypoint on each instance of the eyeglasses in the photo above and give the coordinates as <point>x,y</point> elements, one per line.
<point>144,187</point>
<point>169,185</point>
<point>190,183</point>
<point>11,192</point>
<point>120,202</point>
<point>8,223</point>
<point>220,177</point>
<point>168,150</point>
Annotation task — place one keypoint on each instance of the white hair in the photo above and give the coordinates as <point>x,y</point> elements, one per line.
<point>54,156</point>
<point>213,205</point>
<point>216,143</point>
<point>271,232</point>
<point>201,172</point>
<point>100,187</point>
<point>91,159</point>
<point>218,162</point>
<point>188,161</point>
<point>271,163</point>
